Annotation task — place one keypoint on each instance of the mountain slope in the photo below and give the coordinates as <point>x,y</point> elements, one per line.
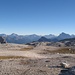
<point>22,39</point>
<point>69,42</point>
<point>43,39</point>
<point>50,36</point>
<point>63,36</point>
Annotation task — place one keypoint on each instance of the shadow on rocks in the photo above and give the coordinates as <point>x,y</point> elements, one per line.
<point>69,71</point>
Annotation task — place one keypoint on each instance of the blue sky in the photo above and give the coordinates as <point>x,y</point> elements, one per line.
<point>37,16</point>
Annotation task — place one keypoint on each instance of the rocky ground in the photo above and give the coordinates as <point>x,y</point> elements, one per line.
<point>18,59</point>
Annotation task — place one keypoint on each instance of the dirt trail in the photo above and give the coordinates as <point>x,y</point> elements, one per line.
<point>32,54</point>
<point>21,53</point>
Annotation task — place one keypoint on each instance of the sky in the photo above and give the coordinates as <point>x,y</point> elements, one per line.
<point>40,17</point>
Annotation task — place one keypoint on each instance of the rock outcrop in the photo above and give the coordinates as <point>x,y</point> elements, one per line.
<point>69,71</point>
<point>2,40</point>
<point>72,70</point>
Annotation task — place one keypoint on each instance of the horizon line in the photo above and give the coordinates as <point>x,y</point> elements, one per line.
<point>38,34</point>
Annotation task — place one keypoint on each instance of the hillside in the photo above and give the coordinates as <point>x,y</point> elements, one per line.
<point>22,39</point>
<point>69,42</point>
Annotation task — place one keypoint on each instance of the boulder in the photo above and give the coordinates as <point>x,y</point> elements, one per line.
<point>2,40</point>
<point>72,70</point>
<point>64,65</point>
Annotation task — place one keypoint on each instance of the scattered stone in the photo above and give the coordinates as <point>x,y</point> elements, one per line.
<point>64,65</point>
<point>47,61</point>
<point>58,53</point>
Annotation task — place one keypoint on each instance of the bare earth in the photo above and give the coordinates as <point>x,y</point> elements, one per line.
<point>33,61</point>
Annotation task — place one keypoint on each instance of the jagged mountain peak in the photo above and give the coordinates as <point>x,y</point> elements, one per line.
<point>63,33</point>
<point>44,39</point>
<point>15,38</point>
<point>50,36</point>
<point>63,36</point>
<point>13,34</point>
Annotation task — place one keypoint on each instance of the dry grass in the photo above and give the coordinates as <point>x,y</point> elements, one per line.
<point>11,57</point>
<point>62,50</point>
<point>26,49</point>
<point>24,62</point>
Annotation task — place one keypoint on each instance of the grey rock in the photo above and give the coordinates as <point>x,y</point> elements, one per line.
<point>72,70</point>
<point>2,40</point>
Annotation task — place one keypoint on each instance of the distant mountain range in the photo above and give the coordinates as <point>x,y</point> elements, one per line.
<point>21,39</point>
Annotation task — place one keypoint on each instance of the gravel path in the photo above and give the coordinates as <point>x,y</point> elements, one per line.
<point>35,63</point>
